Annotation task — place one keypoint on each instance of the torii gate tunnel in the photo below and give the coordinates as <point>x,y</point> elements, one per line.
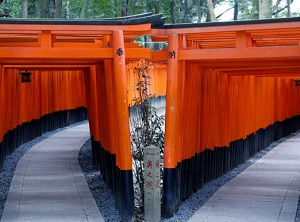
<point>231,89</point>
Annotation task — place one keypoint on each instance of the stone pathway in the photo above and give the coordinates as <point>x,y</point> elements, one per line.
<point>267,191</point>
<point>48,184</point>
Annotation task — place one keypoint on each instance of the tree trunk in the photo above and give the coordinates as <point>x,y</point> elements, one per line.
<point>211,11</point>
<point>265,9</point>
<point>184,6</point>
<point>288,8</point>
<point>84,9</point>
<point>187,17</point>
<point>149,6</point>
<point>172,6</point>
<point>159,6</point>
<point>236,10</point>
<point>68,9</point>
<point>43,9</point>
<point>276,8</point>
<point>58,7</point>
<point>24,8</point>
<point>200,10</point>
<point>51,8</point>
<point>124,8</point>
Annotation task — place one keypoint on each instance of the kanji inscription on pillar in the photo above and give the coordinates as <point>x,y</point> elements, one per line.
<point>152,183</point>
<point>172,54</point>
<point>108,44</point>
<point>120,51</point>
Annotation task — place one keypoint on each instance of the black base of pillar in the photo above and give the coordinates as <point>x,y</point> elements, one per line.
<point>35,128</point>
<point>119,181</point>
<point>191,174</point>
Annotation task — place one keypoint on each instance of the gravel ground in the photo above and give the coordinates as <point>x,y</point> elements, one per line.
<point>103,196</point>
<point>297,219</point>
<point>188,207</point>
<point>198,199</point>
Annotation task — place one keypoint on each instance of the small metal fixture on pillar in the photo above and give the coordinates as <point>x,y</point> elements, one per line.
<point>297,82</point>
<point>25,76</point>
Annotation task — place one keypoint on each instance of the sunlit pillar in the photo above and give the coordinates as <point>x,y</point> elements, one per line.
<point>170,159</point>
<point>120,82</point>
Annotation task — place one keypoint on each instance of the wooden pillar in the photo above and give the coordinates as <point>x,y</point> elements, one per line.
<point>90,81</point>
<point>113,134</point>
<point>93,109</point>
<point>180,90</point>
<point>108,68</point>
<point>124,152</point>
<point>181,172</point>
<point>170,161</point>
<point>2,105</point>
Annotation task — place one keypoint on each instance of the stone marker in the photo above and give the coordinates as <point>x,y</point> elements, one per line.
<point>152,184</point>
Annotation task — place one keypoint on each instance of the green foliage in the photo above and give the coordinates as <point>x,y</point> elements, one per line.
<point>248,10</point>
<point>96,9</point>
<point>184,11</point>
<point>33,9</point>
<point>136,7</point>
<point>13,8</point>
<point>165,10</point>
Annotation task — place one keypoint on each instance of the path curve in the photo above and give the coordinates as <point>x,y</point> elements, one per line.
<point>48,184</point>
<point>267,191</point>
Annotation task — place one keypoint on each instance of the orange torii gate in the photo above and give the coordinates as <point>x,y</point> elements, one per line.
<point>230,91</point>
<point>93,53</point>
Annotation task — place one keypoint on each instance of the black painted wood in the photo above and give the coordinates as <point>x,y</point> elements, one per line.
<point>191,174</point>
<point>119,181</point>
<point>35,128</point>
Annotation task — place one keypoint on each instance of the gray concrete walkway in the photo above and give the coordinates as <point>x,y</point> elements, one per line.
<point>48,184</point>
<point>267,191</point>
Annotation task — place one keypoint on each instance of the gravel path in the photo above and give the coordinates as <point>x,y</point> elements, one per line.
<point>103,196</point>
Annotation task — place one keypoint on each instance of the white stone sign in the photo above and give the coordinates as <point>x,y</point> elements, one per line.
<point>152,199</point>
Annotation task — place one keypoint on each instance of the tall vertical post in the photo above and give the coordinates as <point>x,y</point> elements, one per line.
<point>152,184</point>
<point>2,109</point>
<point>126,192</point>
<point>109,94</point>
<point>108,72</point>
<point>93,109</point>
<point>181,84</point>
<point>170,160</point>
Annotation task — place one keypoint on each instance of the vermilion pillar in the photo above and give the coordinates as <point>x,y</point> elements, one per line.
<point>113,133</point>
<point>181,85</point>
<point>108,67</point>
<point>2,101</point>
<point>126,206</point>
<point>172,98</point>
<point>92,103</point>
